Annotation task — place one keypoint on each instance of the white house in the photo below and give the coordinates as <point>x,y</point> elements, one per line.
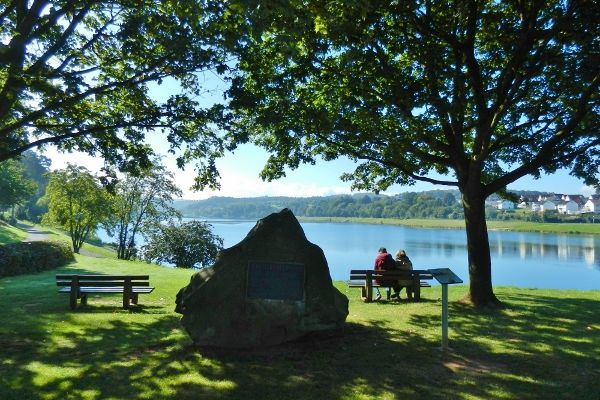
<point>567,207</point>
<point>547,206</point>
<point>592,206</point>
<point>505,205</point>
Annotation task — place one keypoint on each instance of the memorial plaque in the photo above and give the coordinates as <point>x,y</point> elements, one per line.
<point>275,281</point>
<point>445,276</point>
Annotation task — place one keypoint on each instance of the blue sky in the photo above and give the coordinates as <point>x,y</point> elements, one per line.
<point>239,172</point>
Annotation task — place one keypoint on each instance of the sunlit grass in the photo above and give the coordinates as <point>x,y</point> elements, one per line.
<point>544,344</point>
<point>11,234</point>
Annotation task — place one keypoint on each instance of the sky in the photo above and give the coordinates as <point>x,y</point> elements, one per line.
<point>239,177</point>
<point>240,171</point>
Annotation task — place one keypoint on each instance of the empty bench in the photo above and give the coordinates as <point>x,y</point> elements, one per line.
<point>366,279</point>
<point>79,286</point>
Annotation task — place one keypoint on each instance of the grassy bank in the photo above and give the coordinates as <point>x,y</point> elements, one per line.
<point>517,226</point>
<point>546,341</point>
<point>11,234</point>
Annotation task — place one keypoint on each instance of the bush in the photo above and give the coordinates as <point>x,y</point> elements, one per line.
<point>189,245</point>
<point>29,257</point>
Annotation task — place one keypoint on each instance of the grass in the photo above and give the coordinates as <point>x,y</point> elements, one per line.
<point>517,226</point>
<point>11,234</point>
<point>544,344</point>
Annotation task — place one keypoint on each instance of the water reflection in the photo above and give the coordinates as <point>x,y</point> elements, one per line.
<point>518,259</point>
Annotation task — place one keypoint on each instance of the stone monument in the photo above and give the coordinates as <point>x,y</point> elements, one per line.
<point>272,287</point>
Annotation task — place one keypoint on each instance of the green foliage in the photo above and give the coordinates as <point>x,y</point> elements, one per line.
<point>15,186</point>
<point>36,167</point>
<point>76,203</point>
<point>139,204</point>
<point>432,204</point>
<point>189,245</point>
<point>83,76</point>
<point>30,257</point>
<point>468,94</point>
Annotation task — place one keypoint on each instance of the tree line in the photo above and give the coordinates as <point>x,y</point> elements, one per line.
<point>430,204</point>
<point>128,206</point>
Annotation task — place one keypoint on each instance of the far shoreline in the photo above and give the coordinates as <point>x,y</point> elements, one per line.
<point>514,225</point>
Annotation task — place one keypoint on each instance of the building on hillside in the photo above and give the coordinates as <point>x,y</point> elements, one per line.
<point>544,206</point>
<point>553,197</point>
<point>505,205</point>
<point>522,204</point>
<point>592,206</point>
<point>567,207</point>
<point>577,198</point>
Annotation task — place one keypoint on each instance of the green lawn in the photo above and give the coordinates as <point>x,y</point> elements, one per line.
<point>11,234</point>
<point>544,344</point>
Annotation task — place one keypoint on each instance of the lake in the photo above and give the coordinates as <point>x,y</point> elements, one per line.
<point>534,260</point>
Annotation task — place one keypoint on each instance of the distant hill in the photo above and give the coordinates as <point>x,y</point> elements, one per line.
<point>434,204</point>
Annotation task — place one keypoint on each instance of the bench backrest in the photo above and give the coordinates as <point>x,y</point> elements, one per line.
<point>102,280</point>
<point>393,274</point>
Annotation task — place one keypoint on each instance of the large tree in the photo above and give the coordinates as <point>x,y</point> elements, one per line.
<point>139,204</point>
<point>86,75</point>
<point>76,202</point>
<point>471,94</point>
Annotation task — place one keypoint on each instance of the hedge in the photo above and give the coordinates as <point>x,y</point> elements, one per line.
<point>30,257</point>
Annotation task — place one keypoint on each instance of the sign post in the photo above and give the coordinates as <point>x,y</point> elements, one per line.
<point>445,277</point>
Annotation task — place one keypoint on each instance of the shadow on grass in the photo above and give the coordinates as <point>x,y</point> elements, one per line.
<point>141,359</point>
<point>537,345</point>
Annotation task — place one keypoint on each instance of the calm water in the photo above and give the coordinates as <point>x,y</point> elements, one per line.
<point>518,259</point>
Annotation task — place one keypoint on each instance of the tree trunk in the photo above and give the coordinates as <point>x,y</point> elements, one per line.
<point>478,246</point>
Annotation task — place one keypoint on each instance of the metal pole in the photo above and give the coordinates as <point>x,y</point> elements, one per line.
<point>444,317</point>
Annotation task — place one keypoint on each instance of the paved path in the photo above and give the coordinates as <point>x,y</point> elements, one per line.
<point>35,235</point>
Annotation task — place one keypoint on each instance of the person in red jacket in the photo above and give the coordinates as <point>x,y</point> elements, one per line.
<point>384,261</point>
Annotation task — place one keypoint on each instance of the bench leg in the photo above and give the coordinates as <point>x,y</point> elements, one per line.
<point>134,298</point>
<point>84,299</point>
<point>417,292</point>
<point>73,300</point>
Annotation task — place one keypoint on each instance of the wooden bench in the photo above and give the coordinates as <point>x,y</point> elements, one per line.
<point>365,279</point>
<point>79,286</point>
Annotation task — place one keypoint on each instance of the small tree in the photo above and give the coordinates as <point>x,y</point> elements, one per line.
<point>140,202</point>
<point>76,203</point>
<point>189,245</point>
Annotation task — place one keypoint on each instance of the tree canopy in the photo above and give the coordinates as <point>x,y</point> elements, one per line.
<point>189,245</point>
<point>139,204</point>
<point>86,75</point>
<point>76,202</point>
<point>471,94</point>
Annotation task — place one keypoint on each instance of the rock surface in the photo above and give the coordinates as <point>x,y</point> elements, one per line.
<point>272,287</point>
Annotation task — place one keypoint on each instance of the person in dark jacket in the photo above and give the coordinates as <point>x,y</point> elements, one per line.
<point>384,261</point>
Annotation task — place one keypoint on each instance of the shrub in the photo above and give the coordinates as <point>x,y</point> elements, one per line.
<point>189,245</point>
<point>29,257</point>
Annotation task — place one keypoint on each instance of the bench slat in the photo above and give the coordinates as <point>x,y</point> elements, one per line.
<point>79,286</point>
<point>100,277</point>
<point>113,289</point>
<point>102,283</point>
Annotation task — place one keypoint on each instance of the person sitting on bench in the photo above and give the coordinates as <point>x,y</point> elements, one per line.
<point>384,261</point>
<point>404,263</point>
